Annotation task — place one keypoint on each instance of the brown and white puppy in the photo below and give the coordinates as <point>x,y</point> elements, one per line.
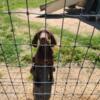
<point>44,41</point>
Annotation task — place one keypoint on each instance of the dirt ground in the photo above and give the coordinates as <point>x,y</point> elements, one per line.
<point>61,74</point>
<point>70,24</point>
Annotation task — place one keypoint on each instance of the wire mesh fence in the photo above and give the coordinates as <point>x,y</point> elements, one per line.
<point>73,80</point>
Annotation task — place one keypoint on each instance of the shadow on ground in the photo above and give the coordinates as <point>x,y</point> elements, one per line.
<point>75,13</point>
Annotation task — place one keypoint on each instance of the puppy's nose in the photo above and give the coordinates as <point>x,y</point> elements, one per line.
<point>43,41</point>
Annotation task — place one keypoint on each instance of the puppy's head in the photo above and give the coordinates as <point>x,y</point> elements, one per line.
<point>43,37</point>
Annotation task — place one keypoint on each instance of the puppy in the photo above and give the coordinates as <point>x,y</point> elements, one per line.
<point>44,41</point>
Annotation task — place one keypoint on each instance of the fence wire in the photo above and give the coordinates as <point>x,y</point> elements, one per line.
<point>11,82</point>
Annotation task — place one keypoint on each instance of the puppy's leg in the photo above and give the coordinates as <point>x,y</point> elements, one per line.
<point>37,76</point>
<point>51,78</point>
<point>33,66</point>
<point>32,69</point>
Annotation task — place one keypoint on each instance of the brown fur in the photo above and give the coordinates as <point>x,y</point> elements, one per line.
<point>43,56</point>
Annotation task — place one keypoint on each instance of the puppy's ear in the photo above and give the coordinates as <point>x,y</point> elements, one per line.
<point>53,40</point>
<point>35,39</point>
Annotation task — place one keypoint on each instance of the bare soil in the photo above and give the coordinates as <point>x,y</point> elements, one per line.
<point>61,74</point>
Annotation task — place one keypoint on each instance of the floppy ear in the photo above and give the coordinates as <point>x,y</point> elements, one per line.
<point>35,39</point>
<point>53,40</point>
